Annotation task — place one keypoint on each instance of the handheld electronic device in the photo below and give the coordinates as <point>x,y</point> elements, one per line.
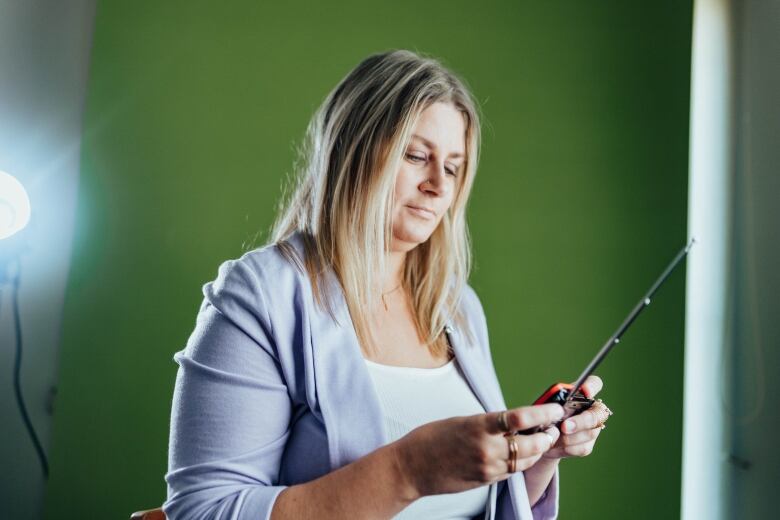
<point>569,395</point>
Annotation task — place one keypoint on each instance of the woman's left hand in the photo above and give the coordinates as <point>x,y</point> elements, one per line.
<point>579,432</point>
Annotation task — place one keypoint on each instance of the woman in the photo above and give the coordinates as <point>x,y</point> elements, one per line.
<point>344,370</point>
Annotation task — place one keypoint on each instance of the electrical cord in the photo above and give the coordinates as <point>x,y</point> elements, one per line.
<point>17,372</point>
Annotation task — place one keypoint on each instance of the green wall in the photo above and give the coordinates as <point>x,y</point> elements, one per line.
<point>192,114</point>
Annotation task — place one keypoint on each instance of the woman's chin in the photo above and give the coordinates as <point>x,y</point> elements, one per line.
<point>408,240</point>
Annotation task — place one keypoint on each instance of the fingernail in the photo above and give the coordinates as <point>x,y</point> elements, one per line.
<point>570,426</point>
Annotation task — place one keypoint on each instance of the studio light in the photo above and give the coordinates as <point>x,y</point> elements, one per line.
<point>14,216</point>
<point>14,206</point>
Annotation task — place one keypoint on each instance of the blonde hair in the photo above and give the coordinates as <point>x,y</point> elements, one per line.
<point>343,197</point>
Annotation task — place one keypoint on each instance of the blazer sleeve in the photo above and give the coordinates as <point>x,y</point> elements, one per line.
<point>546,508</point>
<point>231,409</point>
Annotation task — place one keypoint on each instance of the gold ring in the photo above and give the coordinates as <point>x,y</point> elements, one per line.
<point>512,461</point>
<point>503,424</point>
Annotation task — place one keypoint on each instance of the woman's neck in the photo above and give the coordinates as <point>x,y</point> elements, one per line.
<point>395,271</point>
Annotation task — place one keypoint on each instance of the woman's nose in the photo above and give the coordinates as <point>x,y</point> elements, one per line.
<point>435,178</point>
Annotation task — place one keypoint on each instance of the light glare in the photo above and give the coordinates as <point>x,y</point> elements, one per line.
<point>14,206</point>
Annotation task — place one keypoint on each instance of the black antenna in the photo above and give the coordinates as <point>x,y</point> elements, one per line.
<point>615,338</point>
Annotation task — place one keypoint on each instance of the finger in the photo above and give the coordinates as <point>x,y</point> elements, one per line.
<point>580,450</point>
<point>580,437</point>
<point>531,416</point>
<point>535,444</point>
<point>554,434</point>
<point>524,464</point>
<point>523,418</point>
<point>532,445</point>
<point>592,386</point>
<point>594,416</point>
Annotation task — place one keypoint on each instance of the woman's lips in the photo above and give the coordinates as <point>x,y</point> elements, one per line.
<point>422,212</point>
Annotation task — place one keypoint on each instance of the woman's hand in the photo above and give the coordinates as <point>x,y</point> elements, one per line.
<point>577,439</point>
<point>462,453</point>
<point>579,433</point>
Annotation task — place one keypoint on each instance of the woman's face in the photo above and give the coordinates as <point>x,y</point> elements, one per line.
<point>427,181</point>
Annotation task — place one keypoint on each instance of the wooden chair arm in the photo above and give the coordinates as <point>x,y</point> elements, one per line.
<point>150,514</point>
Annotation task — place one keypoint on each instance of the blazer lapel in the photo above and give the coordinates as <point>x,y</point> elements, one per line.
<point>350,407</point>
<point>478,374</point>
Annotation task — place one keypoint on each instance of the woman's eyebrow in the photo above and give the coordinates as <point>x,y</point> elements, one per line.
<point>432,146</point>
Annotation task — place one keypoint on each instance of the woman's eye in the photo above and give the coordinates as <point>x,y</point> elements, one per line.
<point>451,171</point>
<point>413,157</point>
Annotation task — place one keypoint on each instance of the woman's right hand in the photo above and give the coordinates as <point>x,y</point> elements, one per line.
<point>461,453</point>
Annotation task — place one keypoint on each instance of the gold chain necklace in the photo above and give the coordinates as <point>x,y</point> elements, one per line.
<point>389,292</point>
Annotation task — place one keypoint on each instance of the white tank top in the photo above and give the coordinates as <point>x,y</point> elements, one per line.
<point>411,397</point>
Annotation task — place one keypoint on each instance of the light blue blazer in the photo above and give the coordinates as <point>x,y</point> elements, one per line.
<point>271,392</point>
